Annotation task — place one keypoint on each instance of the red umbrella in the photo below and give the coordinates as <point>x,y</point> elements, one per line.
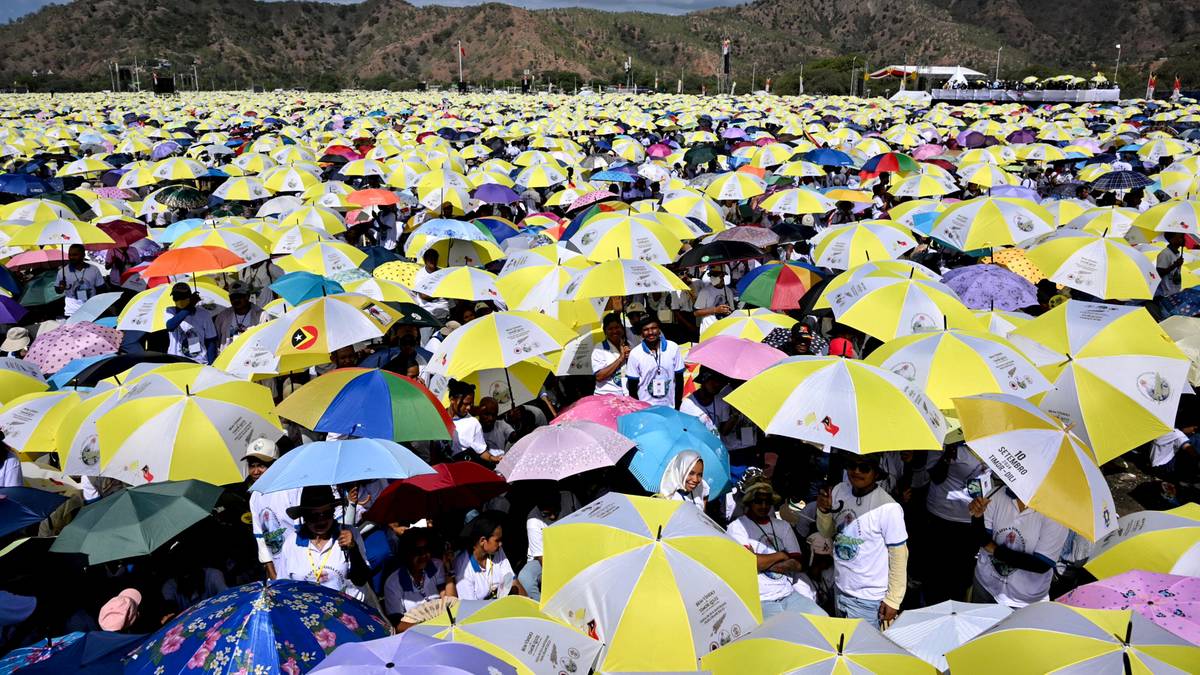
<point>123,232</point>
<point>455,486</point>
<point>373,197</point>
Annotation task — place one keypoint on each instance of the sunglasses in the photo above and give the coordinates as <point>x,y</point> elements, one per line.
<point>860,467</point>
<point>760,500</point>
<point>320,516</point>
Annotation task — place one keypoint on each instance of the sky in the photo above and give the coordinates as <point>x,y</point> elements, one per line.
<point>11,9</point>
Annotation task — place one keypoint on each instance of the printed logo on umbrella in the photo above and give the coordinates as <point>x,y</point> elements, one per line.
<point>1154,386</point>
<point>305,337</point>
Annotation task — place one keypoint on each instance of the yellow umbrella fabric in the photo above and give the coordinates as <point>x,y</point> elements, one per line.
<point>1166,542</point>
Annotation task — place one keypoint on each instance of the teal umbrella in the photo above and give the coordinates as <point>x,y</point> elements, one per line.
<point>40,290</point>
<point>136,521</point>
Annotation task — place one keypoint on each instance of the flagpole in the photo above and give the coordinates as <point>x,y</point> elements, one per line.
<point>460,77</point>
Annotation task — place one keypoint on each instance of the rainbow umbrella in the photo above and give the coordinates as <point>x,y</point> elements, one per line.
<point>777,285</point>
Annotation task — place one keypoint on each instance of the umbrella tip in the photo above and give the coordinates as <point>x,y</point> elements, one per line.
<point>658,537</point>
<point>841,643</point>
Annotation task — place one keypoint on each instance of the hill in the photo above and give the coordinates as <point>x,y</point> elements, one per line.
<point>390,43</point>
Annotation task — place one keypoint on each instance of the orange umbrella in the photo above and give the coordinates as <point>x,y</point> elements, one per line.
<point>191,260</point>
<point>373,197</point>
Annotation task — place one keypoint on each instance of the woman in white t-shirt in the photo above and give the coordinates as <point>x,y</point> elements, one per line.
<point>481,570</point>
<point>322,552</point>
<point>420,578</point>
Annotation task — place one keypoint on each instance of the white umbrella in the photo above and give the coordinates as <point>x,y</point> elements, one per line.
<point>930,632</point>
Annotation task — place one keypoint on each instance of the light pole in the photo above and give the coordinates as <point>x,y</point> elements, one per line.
<point>852,62</point>
<point>1117,67</point>
<point>998,50</point>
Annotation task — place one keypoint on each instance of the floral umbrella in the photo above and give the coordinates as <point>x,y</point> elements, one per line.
<point>279,626</point>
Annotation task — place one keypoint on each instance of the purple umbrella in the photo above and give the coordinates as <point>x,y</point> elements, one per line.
<point>165,149</point>
<point>1016,191</point>
<point>1021,136</point>
<point>494,193</point>
<point>991,287</point>
<point>411,652</point>
<point>733,132</point>
<point>11,311</point>
<point>1169,600</point>
<point>563,449</point>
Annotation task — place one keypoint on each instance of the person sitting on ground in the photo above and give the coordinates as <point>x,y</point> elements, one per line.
<point>481,570</point>
<point>420,577</point>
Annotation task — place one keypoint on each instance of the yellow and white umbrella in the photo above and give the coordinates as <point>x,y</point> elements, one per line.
<point>30,422</point>
<point>453,251</point>
<point>289,179</point>
<point>84,166</point>
<point>147,311</point>
<point>795,201</point>
<point>1176,215</point>
<point>463,283</point>
<point>242,189</point>
<point>1166,542</point>
<point>1103,267</point>
<point>291,238</point>
<point>991,222</point>
<point>1109,221</point>
<point>752,324</point>
<point>621,278</point>
<point>922,185</point>
<point>885,306</point>
<point>694,205</point>
<point>178,168</point>
<point>844,246</point>
<point>953,363</point>
<point>626,237</point>
<point>498,340</point>
<point>843,403</point>
<point>37,210</point>
<point>326,258</point>
<point>1117,376</point>
<point>242,241</point>
<point>986,175</point>
<point>315,216</point>
<point>735,186</point>
<point>58,232</point>
<point>1001,323</point>
<point>381,290</point>
<point>1040,460</point>
<point>324,325</point>
<point>656,581</point>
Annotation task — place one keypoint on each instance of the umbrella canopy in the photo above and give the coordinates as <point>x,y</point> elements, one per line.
<point>1050,637</point>
<point>498,340</point>
<point>96,653</point>
<point>735,357</point>
<point>603,409</point>
<point>886,307</point>
<point>1167,542</point>
<point>845,246</point>
<point>563,449</point>
<point>930,632</point>
<point>18,377</point>
<point>633,571</point>
<point>339,462</point>
<point>777,286</point>
<point>279,626</point>
<point>661,433</point>
<point>30,422</point>
<point>621,277</point>
<point>368,402</point>
<point>842,403</point>
<point>298,287</point>
<point>1168,600</point>
<point>753,324</point>
<point>452,486</point>
<point>504,628</point>
<point>1053,471</point>
<point>991,287</point>
<point>793,642</point>
<point>191,260</point>
<point>719,251</point>
<point>1100,266</point>
<point>326,324</point>
<point>991,222</point>
<point>21,507</point>
<point>54,349</point>
<point>136,521</point>
<point>411,653</point>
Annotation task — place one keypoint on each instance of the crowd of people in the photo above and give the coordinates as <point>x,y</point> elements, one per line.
<point>865,536</point>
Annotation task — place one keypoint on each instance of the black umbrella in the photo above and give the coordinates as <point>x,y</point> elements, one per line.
<point>180,197</point>
<point>718,251</point>
<point>414,315</point>
<point>117,364</point>
<point>1121,180</point>
<point>701,154</point>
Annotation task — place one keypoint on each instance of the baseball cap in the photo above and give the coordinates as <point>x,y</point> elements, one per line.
<point>449,328</point>
<point>635,308</point>
<point>237,288</point>
<point>262,449</point>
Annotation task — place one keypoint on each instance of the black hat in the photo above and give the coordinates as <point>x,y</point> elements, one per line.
<point>312,498</point>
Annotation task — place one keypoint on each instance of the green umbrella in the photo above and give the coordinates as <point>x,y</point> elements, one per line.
<point>40,290</point>
<point>701,154</point>
<point>180,197</point>
<point>136,521</point>
<point>71,201</point>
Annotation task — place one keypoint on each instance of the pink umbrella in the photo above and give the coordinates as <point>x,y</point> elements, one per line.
<point>600,408</point>
<point>735,357</point>
<point>589,199</point>
<point>659,150</point>
<point>113,193</point>
<point>55,349</point>
<point>565,449</point>
<point>1169,600</point>
<point>926,151</point>
<point>42,256</point>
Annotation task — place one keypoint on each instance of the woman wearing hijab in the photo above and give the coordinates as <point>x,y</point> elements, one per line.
<point>683,479</point>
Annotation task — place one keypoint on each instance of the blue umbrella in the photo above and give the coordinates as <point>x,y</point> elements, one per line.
<point>21,507</point>
<point>24,657</point>
<point>23,184</point>
<point>11,311</point>
<point>376,256</point>
<point>613,177</point>
<point>443,228</point>
<point>412,650</point>
<point>296,287</point>
<point>94,306</point>
<point>95,653</point>
<point>1121,180</point>
<point>7,282</point>
<point>828,157</point>
<point>280,626</point>
<point>177,229</point>
<point>338,462</point>
<point>494,193</point>
<point>661,433</point>
<point>75,366</point>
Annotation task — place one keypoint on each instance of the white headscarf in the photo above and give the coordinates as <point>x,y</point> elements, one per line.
<point>671,485</point>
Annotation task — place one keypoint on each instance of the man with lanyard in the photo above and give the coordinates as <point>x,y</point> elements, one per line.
<point>870,552</point>
<point>705,405</point>
<point>240,316</point>
<point>776,550</point>
<point>714,300</point>
<point>610,356</point>
<point>190,327</point>
<point>78,281</point>
<point>654,372</point>
<point>269,519</point>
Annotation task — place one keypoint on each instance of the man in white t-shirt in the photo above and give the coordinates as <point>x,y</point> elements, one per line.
<point>870,552</point>
<point>654,372</point>
<point>551,505</point>
<point>496,432</point>
<point>468,432</point>
<point>1164,449</point>
<point>609,358</point>
<point>269,520</point>
<point>1019,548</point>
<point>78,281</point>
<point>714,300</point>
<point>239,317</point>
<point>190,327</point>
<point>705,405</point>
<point>776,551</point>
<point>1168,264</point>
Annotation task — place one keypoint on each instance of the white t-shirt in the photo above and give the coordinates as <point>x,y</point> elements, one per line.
<point>773,536</point>
<point>230,324</point>
<point>1163,449</point>
<point>188,338</point>
<point>401,593</point>
<point>964,467</point>
<point>1028,532</point>
<point>497,438</point>
<point>79,286</point>
<point>602,357</point>
<point>468,435</point>
<point>710,296</point>
<point>712,415</point>
<point>865,527</point>
<point>10,471</point>
<point>475,582</point>
<point>270,522</point>
<point>535,522</point>
<point>655,372</point>
<point>1172,281</point>
<point>327,566</point>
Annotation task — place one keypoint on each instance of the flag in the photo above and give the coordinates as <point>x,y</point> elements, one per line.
<point>1175,89</point>
<point>726,66</point>
<point>1150,84</point>
<point>461,52</point>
